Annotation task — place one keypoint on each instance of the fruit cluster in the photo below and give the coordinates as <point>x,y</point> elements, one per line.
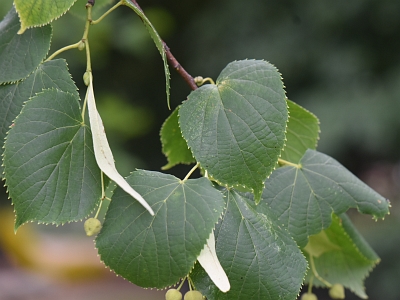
<point>174,294</point>
<point>336,291</point>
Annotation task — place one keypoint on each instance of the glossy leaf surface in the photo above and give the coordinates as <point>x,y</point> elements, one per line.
<point>51,74</point>
<point>156,251</point>
<point>21,54</point>
<point>304,198</point>
<point>236,128</point>
<point>260,258</point>
<point>50,170</point>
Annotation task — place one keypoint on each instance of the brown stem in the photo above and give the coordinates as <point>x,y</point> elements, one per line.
<point>177,66</point>
<point>173,62</point>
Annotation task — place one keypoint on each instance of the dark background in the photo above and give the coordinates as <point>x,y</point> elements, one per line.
<point>339,59</point>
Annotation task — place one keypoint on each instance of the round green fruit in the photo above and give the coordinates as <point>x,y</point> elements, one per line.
<point>92,226</point>
<point>336,291</point>
<point>308,296</point>
<point>193,295</point>
<point>173,294</point>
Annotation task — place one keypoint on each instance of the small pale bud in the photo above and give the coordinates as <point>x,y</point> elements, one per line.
<point>199,80</point>
<point>92,226</point>
<point>81,46</point>
<point>86,78</point>
<point>336,291</point>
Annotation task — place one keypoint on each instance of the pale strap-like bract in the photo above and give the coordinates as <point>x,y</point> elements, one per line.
<point>209,261</point>
<point>102,151</point>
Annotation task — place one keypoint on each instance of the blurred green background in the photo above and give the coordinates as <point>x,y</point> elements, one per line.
<point>339,59</point>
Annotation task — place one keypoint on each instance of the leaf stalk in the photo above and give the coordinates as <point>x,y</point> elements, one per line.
<point>314,270</point>
<point>200,80</point>
<point>94,22</point>
<point>288,163</point>
<point>190,172</point>
<point>73,46</point>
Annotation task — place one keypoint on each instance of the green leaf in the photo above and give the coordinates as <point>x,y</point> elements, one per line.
<point>349,262</point>
<point>236,128</point>
<point>302,133</point>
<point>319,244</point>
<point>33,13</point>
<point>174,145</point>
<point>304,198</point>
<point>51,74</point>
<point>157,40</point>
<point>156,251</point>
<point>21,54</point>
<point>50,170</point>
<point>260,258</point>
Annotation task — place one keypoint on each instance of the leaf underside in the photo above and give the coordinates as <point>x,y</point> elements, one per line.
<point>304,198</point>
<point>33,13</point>
<point>302,133</point>
<point>21,54</point>
<point>260,259</point>
<point>236,128</point>
<point>156,251</point>
<point>174,145</point>
<point>49,165</point>
<point>349,262</point>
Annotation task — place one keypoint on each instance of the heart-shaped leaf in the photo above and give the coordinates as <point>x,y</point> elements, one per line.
<point>51,74</point>
<point>49,165</point>
<point>236,128</point>
<point>260,258</point>
<point>35,13</point>
<point>305,197</point>
<point>174,145</point>
<point>156,251</point>
<point>21,54</point>
<point>302,133</point>
<point>348,260</point>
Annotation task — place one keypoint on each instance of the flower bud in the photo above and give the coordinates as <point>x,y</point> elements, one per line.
<point>86,78</point>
